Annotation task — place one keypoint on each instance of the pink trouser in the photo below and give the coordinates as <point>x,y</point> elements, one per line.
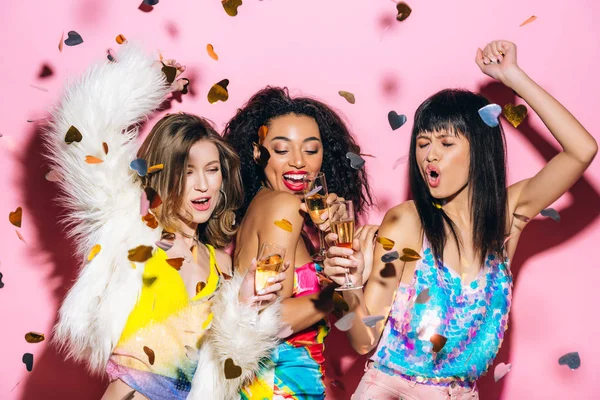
<point>377,385</point>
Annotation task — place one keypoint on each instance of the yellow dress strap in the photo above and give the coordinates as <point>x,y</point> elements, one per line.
<point>214,277</point>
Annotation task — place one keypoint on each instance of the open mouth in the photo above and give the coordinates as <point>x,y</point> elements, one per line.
<point>201,204</point>
<point>294,180</point>
<point>433,176</point>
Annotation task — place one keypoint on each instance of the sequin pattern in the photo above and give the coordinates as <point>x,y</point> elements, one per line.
<point>473,317</point>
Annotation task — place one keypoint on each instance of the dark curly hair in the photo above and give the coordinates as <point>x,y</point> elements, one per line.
<point>272,102</point>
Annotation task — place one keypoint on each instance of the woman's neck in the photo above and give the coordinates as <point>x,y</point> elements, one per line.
<point>188,232</point>
<point>458,207</point>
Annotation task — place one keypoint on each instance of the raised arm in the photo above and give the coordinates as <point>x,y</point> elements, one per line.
<point>499,61</point>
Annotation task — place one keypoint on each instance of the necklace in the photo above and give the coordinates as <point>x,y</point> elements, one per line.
<point>193,249</point>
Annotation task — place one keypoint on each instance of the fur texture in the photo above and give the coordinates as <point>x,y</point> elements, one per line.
<point>103,200</point>
<point>238,332</point>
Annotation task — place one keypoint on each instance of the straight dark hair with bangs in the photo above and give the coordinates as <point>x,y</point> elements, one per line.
<point>454,110</point>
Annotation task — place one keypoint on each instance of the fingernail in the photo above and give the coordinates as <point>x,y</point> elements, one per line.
<point>261,292</point>
<point>270,280</point>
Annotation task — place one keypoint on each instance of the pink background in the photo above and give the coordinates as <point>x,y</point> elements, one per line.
<point>315,47</point>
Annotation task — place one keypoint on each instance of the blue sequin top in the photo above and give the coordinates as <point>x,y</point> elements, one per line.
<point>472,318</point>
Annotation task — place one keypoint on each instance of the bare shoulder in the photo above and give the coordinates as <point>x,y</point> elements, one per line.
<point>407,212</point>
<point>223,261</point>
<point>279,205</point>
<point>402,224</point>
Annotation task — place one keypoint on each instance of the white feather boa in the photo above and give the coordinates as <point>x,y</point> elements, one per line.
<point>103,200</point>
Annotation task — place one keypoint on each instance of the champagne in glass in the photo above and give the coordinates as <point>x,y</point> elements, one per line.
<point>341,217</point>
<point>315,198</point>
<point>270,260</point>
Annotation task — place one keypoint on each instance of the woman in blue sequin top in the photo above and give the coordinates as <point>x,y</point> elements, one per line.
<point>446,308</point>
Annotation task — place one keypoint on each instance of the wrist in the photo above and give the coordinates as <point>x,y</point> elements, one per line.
<point>513,77</point>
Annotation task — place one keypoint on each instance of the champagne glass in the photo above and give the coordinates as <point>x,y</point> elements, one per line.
<point>270,260</point>
<point>315,198</point>
<point>341,218</point>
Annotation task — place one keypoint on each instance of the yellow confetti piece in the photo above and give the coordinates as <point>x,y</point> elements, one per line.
<point>156,168</point>
<point>231,7</point>
<point>514,114</point>
<point>94,252</point>
<point>16,217</point>
<point>387,244</point>
<point>218,91</point>
<point>262,133</point>
<point>200,286</point>
<point>206,323</point>
<point>528,20</point>
<point>120,39</point>
<point>211,52</point>
<point>284,224</point>
<point>409,255</point>
<point>348,96</point>
<point>93,160</point>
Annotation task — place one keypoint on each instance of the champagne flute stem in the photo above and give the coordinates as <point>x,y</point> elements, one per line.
<point>321,243</point>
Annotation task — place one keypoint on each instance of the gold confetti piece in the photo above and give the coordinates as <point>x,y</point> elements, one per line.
<point>153,197</point>
<point>387,244</point>
<point>150,221</point>
<point>409,255</point>
<point>211,52</point>
<point>73,135</point>
<point>140,254</point>
<point>20,237</point>
<point>231,6</point>
<point>232,371</point>
<point>195,253</point>
<point>200,286</point>
<point>133,266</point>
<point>389,271</point>
<point>515,114</point>
<point>60,44</point>
<point>284,224</point>
<point>120,39</point>
<point>339,304</point>
<point>53,176</point>
<point>176,262</point>
<point>403,11</point>
<point>94,252</point>
<point>206,323</point>
<point>348,96</point>
<point>262,133</point>
<point>155,168</point>
<point>528,20</point>
<point>16,217</point>
<point>438,342</point>
<point>105,147</point>
<point>33,337</point>
<point>93,160</point>
<point>436,205</point>
<point>166,235</point>
<point>150,353</point>
<point>170,73</point>
<point>218,91</point>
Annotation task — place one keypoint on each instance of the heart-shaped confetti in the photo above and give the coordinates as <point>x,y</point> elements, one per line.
<point>395,120</point>
<point>551,213</point>
<point>120,39</point>
<point>521,217</point>
<point>191,353</point>
<point>372,320</point>
<point>490,113</point>
<point>200,286</point>
<point>390,257</point>
<point>232,371</point>
<point>16,217</point>
<point>170,73</point>
<point>571,360</point>
<point>34,337</point>
<point>129,396</point>
<point>387,244</point>
<point>401,160</point>
<point>345,323</point>
<point>211,52</point>
<point>403,11</point>
<point>348,96</point>
<point>73,135</point>
<point>164,245</point>
<point>28,361</point>
<point>93,160</point>
<point>423,297</point>
<point>409,255</point>
<point>176,262</point>
<point>356,161</point>
<point>46,71</point>
<point>388,271</point>
<point>150,3</point>
<point>153,197</point>
<point>284,224</point>
<point>528,20</point>
<point>314,191</point>
<point>73,39</point>
<point>218,91</point>
<point>94,252</point>
<point>185,86</point>
<point>150,221</point>
<point>156,168</point>
<point>438,342</point>
<point>150,353</point>
<point>500,370</point>
<point>515,114</point>
<point>1,283</point>
<point>231,6</point>
<point>105,148</point>
<point>61,43</point>
<point>140,166</point>
<point>140,253</point>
